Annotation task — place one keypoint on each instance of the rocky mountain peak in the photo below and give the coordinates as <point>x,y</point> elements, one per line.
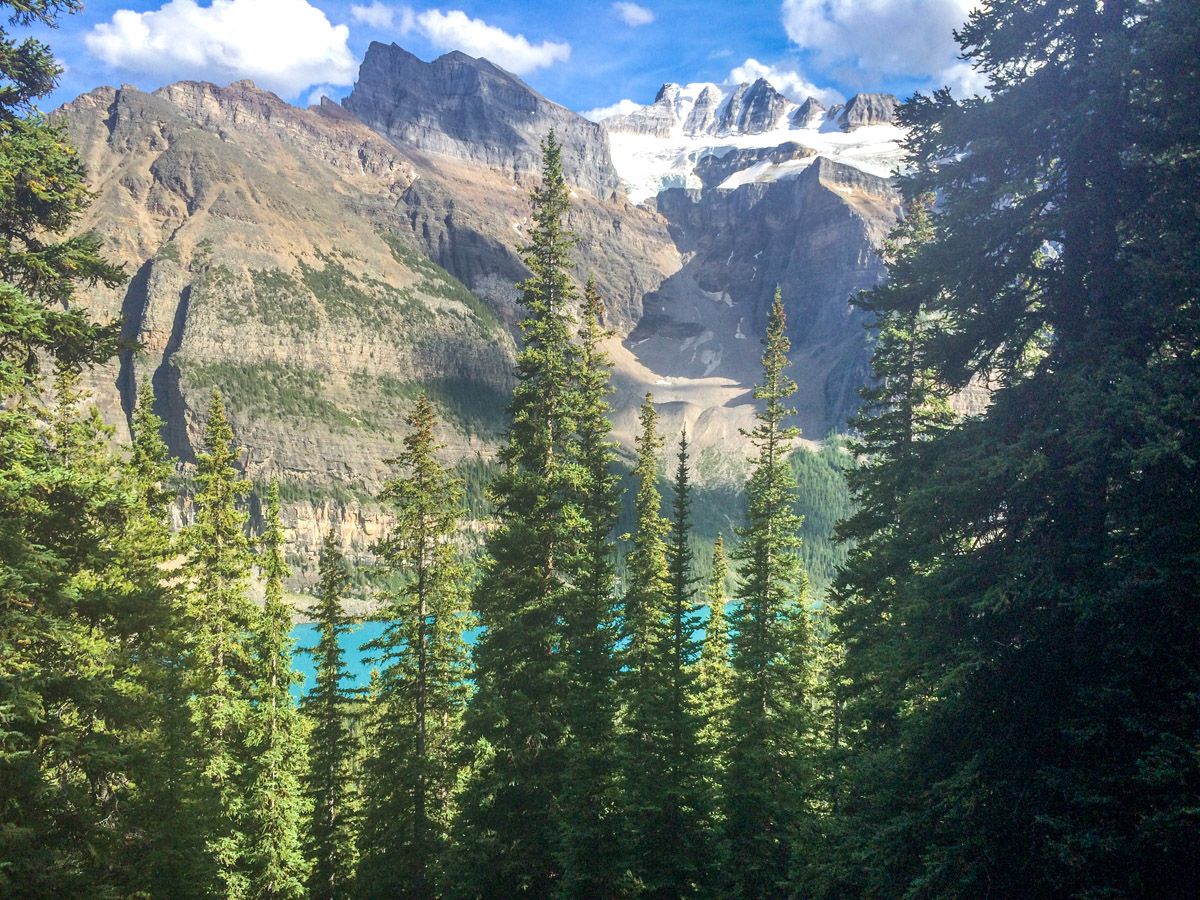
<point>868,109</point>
<point>809,114</point>
<point>753,109</point>
<point>473,110</point>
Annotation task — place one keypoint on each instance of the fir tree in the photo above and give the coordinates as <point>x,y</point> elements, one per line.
<point>275,800</point>
<point>220,620</point>
<point>591,855</point>
<point>516,717</point>
<point>411,776</point>
<point>332,832</point>
<point>766,773</point>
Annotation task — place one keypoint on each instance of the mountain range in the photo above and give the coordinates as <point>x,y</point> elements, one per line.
<point>323,265</point>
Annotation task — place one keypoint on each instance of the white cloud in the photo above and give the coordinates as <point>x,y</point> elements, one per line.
<point>963,80</point>
<point>455,30</point>
<point>633,15</point>
<point>321,90</point>
<point>787,81</point>
<point>620,108</point>
<point>376,15</point>
<point>282,45</point>
<point>874,38</point>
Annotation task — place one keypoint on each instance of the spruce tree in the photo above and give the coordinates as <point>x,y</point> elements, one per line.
<point>332,794</point>
<point>664,777</point>
<point>767,770</point>
<point>64,766</point>
<point>276,748</point>
<point>411,776</point>
<point>1004,734</point>
<point>714,675</point>
<point>220,619</point>
<point>168,857</point>
<point>589,821</point>
<point>516,717</point>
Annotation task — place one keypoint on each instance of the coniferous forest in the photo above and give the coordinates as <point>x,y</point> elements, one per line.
<point>999,695</point>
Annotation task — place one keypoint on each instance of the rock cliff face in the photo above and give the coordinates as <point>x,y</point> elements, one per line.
<point>813,236</point>
<point>867,109</point>
<point>475,111</point>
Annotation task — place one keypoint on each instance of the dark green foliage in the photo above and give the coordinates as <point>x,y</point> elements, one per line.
<point>275,742</point>
<point>220,619</point>
<point>767,769</point>
<point>330,784</point>
<point>411,776</point>
<point>665,783</point>
<point>1019,620</point>
<point>515,720</point>
<point>714,673</point>
<point>589,819</point>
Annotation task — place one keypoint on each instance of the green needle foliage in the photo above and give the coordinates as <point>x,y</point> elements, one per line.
<point>664,775</point>
<point>589,820</point>
<point>221,619</point>
<point>275,800</point>
<point>332,749</point>
<point>714,674</point>
<point>411,778</point>
<point>1019,619</point>
<point>516,718</point>
<point>768,771</point>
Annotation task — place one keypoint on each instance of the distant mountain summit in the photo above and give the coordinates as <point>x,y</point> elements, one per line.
<point>663,144</point>
<point>473,110</point>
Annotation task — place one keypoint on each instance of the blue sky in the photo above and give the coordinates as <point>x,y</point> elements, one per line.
<point>580,53</point>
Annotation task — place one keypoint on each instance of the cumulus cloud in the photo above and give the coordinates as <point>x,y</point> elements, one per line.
<point>620,108</point>
<point>455,30</point>
<point>787,81</point>
<point>282,45</point>
<point>380,15</point>
<point>874,38</point>
<point>633,15</point>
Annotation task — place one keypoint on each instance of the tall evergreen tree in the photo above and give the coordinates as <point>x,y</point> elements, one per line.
<point>516,717</point>
<point>63,763</point>
<point>589,818</point>
<point>220,619</point>
<point>714,673</point>
<point>767,771</point>
<point>332,832</point>
<point>166,859</point>
<point>276,748</point>
<point>664,776</point>
<point>412,774</point>
<point>1005,735</point>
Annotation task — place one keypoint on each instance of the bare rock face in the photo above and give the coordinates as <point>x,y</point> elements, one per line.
<point>753,109</point>
<point>867,109</point>
<point>657,119</point>
<point>812,236</point>
<point>712,170</point>
<point>702,119</point>
<point>808,114</point>
<point>475,111</point>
